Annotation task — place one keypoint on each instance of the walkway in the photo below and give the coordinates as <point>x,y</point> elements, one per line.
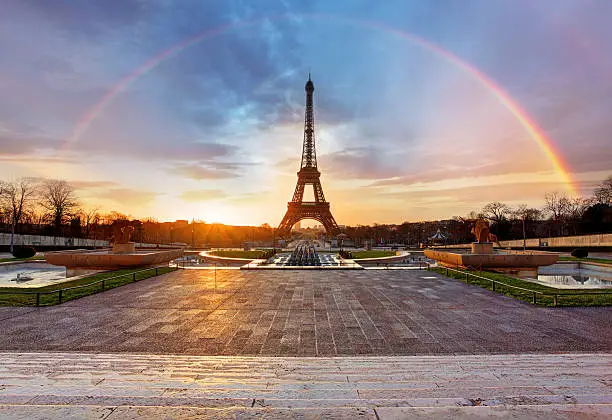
<point>106,386</point>
<point>299,313</point>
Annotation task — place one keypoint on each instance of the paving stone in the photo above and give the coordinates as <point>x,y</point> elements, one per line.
<point>256,413</point>
<point>289,313</point>
<point>549,412</point>
<point>174,327</point>
<point>32,412</point>
<point>54,385</point>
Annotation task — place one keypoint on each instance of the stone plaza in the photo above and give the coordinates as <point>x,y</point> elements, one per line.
<point>311,344</point>
<point>304,313</point>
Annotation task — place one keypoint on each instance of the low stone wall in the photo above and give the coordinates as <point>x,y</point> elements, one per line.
<point>51,241</point>
<point>602,240</point>
<point>582,241</point>
<point>65,242</point>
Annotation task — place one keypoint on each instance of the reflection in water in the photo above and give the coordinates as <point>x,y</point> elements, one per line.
<point>31,275</point>
<point>579,276</point>
<point>578,281</point>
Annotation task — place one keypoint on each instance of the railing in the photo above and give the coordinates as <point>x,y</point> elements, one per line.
<point>534,293</point>
<point>60,292</point>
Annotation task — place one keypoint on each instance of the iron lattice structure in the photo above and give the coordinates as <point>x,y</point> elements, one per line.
<point>297,208</point>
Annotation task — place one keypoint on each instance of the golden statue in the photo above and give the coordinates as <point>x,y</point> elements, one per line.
<point>480,229</point>
<point>121,237</point>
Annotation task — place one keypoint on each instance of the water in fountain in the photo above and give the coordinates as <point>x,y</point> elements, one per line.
<point>304,255</point>
<point>30,274</point>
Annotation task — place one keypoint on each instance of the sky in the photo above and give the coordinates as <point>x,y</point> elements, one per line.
<point>195,109</point>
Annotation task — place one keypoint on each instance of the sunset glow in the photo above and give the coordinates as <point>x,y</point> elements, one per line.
<point>181,112</point>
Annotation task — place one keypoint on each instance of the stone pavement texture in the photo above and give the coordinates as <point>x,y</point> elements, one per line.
<point>120,386</point>
<point>299,313</point>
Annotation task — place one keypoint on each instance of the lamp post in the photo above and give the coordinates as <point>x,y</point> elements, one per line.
<point>524,236</point>
<point>192,234</point>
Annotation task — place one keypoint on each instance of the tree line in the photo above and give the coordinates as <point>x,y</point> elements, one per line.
<point>51,207</point>
<point>27,201</point>
<point>559,216</point>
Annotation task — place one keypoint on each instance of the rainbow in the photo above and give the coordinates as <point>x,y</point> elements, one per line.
<point>547,146</point>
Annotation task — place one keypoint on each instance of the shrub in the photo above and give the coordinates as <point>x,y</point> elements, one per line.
<point>580,253</point>
<point>346,254</point>
<point>268,254</point>
<point>24,252</point>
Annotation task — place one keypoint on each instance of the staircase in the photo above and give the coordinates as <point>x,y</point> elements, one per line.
<point>117,386</point>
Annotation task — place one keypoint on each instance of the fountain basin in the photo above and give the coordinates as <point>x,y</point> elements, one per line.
<point>500,260</point>
<point>571,275</point>
<point>30,274</point>
<point>80,261</point>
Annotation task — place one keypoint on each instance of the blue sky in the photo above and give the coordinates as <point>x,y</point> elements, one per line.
<point>214,131</point>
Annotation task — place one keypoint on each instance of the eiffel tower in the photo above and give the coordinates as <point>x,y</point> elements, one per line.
<point>297,208</point>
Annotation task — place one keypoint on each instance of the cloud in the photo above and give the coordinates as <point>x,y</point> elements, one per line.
<point>88,185</point>
<point>51,64</point>
<point>207,171</point>
<point>202,195</point>
<point>362,163</point>
<point>388,114</point>
<point>511,189</point>
<point>287,163</point>
<point>128,196</point>
<point>19,143</point>
<point>94,19</point>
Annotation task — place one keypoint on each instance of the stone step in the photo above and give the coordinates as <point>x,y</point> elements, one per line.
<point>137,385</point>
<point>316,364</point>
<point>546,412</point>
<point>306,401</point>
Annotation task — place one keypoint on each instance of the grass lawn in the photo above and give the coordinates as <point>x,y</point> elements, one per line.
<point>566,297</point>
<point>586,260</point>
<point>239,254</point>
<point>372,254</point>
<point>127,276</point>
<point>36,257</point>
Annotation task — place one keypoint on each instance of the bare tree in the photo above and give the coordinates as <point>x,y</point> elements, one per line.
<point>14,198</point>
<point>603,193</point>
<point>472,215</point>
<point>524,213</point>
<point>576,207</point>
<point>497,212</point>
<point>89,219</point>
<point>3,212</point>
<point>557,205</point>
<point>58,198</point>
<point>115,216</point>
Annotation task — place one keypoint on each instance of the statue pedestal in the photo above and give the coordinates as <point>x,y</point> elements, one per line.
<point>127,248</point>
<point>482,247</point>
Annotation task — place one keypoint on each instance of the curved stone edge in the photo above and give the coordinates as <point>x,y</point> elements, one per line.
<point>510,260</point>
<point>392,258</point>
<point>24,262</point>
<point>225,260</point>
<point>97,260</point>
